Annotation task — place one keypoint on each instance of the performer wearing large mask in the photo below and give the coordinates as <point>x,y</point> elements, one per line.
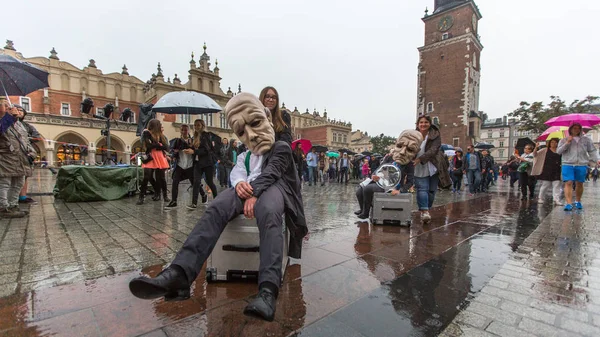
<point>269,190</point>
<point>406,148</point>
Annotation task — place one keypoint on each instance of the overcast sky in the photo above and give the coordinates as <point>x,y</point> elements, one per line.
<point>358,59</point>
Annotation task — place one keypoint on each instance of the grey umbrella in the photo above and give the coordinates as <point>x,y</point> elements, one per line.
<point>186,102</point>
<point>18,78</point>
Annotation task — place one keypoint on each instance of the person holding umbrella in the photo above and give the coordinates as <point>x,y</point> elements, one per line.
<point>16,156</point>
<point>577,151</point>
<point>282,121</point>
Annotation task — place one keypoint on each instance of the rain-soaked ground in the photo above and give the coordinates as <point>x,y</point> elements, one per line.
<point>486,265</point>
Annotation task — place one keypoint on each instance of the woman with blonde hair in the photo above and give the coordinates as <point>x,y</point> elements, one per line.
<point>154,144</point>
<point>204,162</point>
<point>282,120</point>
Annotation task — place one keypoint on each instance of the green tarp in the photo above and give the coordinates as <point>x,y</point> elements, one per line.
<point>76,183</point>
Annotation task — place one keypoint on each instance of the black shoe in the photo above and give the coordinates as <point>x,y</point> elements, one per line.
<point>140,201</point>
<point>170,283</point>
<point>523,198</point>
<point>156,197</point>
<point>263,305</point>
<point>166,198</point>
<point>172,204</point>
<point>205,199</point>
<point>192,206</point>
<point>362,216</point>
<point>358,212</point>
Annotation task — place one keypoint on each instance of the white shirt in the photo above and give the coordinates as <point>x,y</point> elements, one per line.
<point>238,173</point>
<point>424,170</point>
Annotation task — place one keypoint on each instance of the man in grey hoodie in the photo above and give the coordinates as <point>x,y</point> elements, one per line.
<point>577,152</point>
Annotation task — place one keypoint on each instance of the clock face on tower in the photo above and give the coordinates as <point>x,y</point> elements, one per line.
<point>445,23</point>
<point>474,22</point>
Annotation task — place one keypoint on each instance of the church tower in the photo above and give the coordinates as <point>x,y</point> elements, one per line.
<point>449,68</point>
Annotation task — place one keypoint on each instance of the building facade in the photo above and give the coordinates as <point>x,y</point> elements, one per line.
<point>449,70</point>
<point>70,137</point>
<point>360,141</point>
<point>319,129</point>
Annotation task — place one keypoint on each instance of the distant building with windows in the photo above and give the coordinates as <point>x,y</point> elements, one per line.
<point>360,142</point>
<point>71,137</point>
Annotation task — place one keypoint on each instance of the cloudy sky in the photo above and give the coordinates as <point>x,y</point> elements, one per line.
<point>357,59</point>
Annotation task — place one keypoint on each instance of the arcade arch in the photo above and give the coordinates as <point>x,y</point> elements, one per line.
<point>70,148</point>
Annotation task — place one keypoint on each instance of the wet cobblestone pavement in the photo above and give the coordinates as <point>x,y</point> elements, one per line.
<point>486,265</point>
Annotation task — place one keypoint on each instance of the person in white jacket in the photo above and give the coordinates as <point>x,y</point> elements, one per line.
<point>577,152</point>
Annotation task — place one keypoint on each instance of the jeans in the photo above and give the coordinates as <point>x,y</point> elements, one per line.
<point>209,174</point>
<point>456,181</point>
<point>312,175</point>
<point>545,185</point>
<point>343,176</point>
<point>474,178</point>
<point>224,172</point>
<point>527,181</point>
<point>10,187</point>
<point>426,190</point>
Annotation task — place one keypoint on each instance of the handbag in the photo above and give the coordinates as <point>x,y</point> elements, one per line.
<point>146,158</point>
<point>523,167</point>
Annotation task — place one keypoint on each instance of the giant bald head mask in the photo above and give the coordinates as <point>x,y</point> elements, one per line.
<point>407,146</point>
<point>248,119</point>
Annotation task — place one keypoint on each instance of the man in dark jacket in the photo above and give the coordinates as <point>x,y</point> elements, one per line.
<point>266,187</point>
<point>225,163</point>
<point>472,167</point>
<point>487,170</point>
<point>406,148</point>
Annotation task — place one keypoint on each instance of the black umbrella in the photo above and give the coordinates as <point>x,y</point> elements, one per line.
<point>484,146</point>
<point>349,152</point>
<point>320,148</point>
<point>186,103</point>
<point>18,78</point>
<point>521,143</point>
<point>366,153</point>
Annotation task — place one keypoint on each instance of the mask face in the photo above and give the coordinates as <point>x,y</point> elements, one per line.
<point>407,146</point>
<point>246,117</point>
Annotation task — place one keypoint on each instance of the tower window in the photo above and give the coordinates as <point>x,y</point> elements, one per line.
<point>436,121</point>
<point>445,36</point>
<point>430,107</point>
<point>455,141</point>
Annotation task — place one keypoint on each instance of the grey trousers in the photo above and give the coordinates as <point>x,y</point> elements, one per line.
<point>10,187</point>
<point>268,212</point>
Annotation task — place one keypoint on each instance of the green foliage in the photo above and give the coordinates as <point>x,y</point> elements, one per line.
<point>381,143</point>
<point>532,117</point>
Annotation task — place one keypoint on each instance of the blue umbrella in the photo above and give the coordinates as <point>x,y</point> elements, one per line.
<point>18,78</point>
<point>186,102</point>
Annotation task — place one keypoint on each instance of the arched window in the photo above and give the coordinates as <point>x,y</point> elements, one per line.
<point>132,94</point>
<point>83,85</point>
<point>211,86</point>
<point>200,84</point>
<point>436,121</point>
<point>64,82</point>
<point>118,92</point>
<point>101,89</point>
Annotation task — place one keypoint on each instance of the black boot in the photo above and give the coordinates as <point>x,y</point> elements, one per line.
<point>171,283</point>
<point>166,197</point>
<point>140,200</point>
<point>358,212</point>
<point>156,196</point>
<point>263,305</point>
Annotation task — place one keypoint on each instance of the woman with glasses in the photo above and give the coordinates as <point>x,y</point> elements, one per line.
<point>282,121</point>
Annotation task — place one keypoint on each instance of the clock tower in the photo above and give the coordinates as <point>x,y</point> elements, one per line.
<point>449,70</point>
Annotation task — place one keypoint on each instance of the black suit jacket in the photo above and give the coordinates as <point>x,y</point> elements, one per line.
<point>279,169</point>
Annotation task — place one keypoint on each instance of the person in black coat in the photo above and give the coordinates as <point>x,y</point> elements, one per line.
<point>266,187</point>
<point>204,161</point>
<point>407,147</point>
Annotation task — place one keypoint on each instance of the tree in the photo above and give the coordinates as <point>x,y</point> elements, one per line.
<point>531,117</point>
<point>381,143</point>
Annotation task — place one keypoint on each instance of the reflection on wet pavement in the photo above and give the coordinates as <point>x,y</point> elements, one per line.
<point>490,264</point>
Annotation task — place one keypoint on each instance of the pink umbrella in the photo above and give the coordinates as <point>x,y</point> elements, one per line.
<point>306,145</point>
<point>586,120</point>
